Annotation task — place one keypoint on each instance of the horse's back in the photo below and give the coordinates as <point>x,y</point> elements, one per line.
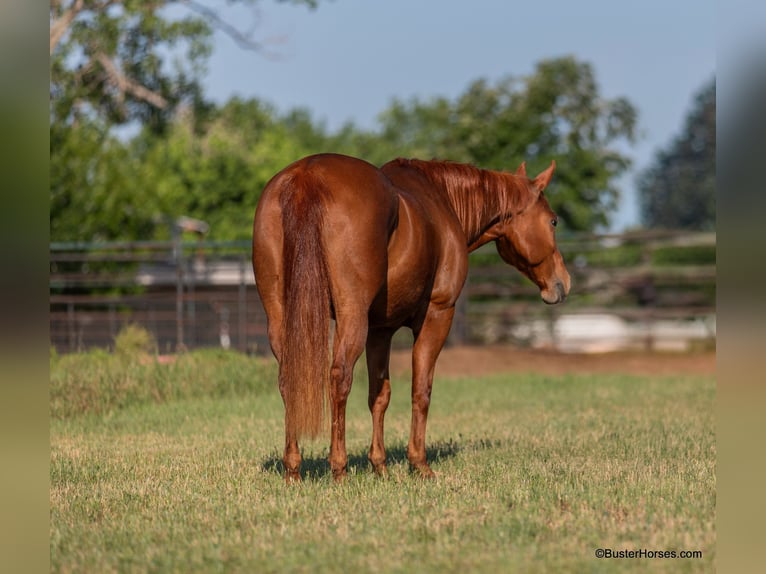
<point>339,181</point>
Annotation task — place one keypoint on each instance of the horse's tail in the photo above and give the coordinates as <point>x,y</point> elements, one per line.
<point>304,365</point>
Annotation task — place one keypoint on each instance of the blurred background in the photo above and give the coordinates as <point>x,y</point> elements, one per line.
<point>168,118</point>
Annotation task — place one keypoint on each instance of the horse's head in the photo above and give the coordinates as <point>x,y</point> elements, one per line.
<point>528,242</point>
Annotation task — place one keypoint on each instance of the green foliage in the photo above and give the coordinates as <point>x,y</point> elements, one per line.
<point>534,474</point>
<point>213,169</point>
<point>133,63</point>
<point>111,65</point>
<point>212,164</point>
<point>685,255</point>
<point>618,256</point>
<point>678,190</point>
<point>134,342</point>
<point>216,171</point>
<point>110,60</point>
<point>555,113</point>
<point>631,254</point>
<point>122,61</point>
<point>94,195</point>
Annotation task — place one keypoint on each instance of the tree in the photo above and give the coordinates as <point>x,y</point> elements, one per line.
<point>117,62</point>
<point>216,172</point>
<point>105,189</point>
<point>120,61</point>
<point>94,195</point>
<point>677,191</point>
<point>212,164</point>
<point>555,113</point>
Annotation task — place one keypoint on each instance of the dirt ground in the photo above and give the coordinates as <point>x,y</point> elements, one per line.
<point>485,360</point>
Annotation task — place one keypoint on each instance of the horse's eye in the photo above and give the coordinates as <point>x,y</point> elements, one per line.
<point>554,222</point>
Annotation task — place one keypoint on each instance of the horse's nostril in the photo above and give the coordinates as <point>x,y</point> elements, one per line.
<point>555,294</point>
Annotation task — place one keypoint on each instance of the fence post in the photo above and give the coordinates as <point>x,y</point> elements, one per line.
<point>72,327</point>
<point>112,321</point>
<point>649,341</point>
<point>191,305</point>
<point>177,249</point>
<point>551,315</point>
<point>242,307</point>
<point>648,296</point>
<point>458,335</point>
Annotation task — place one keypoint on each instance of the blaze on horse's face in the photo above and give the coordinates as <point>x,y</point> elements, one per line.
<point>528,242</point>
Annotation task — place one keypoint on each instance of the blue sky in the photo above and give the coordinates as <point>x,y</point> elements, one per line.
<point>347,59</point>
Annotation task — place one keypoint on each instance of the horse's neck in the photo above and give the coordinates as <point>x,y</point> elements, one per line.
<point>479,198</point>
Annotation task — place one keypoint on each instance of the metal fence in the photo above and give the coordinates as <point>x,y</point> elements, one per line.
<point>186,294</point>
<point>641,290</point>
<point>202,294</point>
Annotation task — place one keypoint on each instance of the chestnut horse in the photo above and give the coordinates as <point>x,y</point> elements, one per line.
<point>376,250</point>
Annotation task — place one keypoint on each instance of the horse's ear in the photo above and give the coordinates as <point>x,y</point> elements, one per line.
<point>542,180</point>
<point>522,169</point>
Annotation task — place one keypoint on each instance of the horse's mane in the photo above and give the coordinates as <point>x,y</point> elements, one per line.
<point>478,196</point>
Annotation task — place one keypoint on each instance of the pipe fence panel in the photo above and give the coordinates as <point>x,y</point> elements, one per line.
<point>639,290</point>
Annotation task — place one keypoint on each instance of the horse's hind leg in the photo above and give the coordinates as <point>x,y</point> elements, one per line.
<point>429,340</point>
<point>378,354</point>
<point>350,336</point>
<point>292,454</point>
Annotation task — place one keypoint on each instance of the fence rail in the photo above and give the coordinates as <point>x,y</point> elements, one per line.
<point>199,294</point>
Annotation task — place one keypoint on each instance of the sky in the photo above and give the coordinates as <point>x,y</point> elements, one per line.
<point>347,59</point>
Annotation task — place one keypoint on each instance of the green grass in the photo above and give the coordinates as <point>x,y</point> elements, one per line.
<point>98,382</point>
<point>534,474</point>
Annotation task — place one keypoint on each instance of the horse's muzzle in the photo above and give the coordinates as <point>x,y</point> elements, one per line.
<point>557,294</point>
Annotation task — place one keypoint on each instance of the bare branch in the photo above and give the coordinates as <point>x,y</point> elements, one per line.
<point>126,85</point>
<point>243,40</point>
<point>60,26</point>
<point>96,74</point>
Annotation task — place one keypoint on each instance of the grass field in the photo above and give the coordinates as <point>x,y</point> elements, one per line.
<point>176,468</point>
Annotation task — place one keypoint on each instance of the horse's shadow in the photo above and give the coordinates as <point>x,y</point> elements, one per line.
<point>316,467</point>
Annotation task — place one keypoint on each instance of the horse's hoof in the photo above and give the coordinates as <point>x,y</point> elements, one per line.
<point>424,472</point>
<point>381,470</point>
<point>292,477</point>
<point>339,475</point>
